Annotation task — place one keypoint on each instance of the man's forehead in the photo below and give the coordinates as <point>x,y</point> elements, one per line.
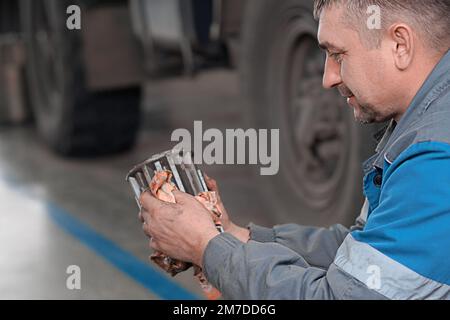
<point>332,31</point>
<point>326,45</point>
<point>330,40</point>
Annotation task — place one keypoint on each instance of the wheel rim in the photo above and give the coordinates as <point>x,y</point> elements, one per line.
<point>316,140</point>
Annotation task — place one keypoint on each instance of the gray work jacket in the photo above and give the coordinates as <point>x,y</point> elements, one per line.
<point>400,245</point>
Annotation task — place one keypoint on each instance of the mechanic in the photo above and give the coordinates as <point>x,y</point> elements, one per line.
<point>399,74</point>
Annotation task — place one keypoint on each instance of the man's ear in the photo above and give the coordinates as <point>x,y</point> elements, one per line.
<point>403,45</point>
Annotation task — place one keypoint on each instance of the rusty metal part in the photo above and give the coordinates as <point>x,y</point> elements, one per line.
<point>185,174</point>
<point>162,174</point>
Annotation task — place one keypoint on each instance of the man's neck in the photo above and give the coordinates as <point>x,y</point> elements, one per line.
<point>419,73</point>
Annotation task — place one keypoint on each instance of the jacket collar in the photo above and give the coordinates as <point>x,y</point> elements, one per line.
<point>435,84</point>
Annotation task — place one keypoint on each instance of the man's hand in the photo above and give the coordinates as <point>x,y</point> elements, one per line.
<point>181,230</point>
<point>242,234</point>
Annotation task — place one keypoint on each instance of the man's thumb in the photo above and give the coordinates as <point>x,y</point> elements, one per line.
<point>181,197</point>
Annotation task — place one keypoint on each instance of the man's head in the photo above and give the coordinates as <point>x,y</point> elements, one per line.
<point>381,66</point>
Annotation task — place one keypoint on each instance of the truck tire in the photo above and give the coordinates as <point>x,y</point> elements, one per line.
<point>321,145</point>
<point>72,119</point>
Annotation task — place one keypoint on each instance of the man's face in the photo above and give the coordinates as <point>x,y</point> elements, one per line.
<point>366,77</point>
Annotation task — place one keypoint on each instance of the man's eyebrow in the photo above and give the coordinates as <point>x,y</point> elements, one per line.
<point>325,45</point>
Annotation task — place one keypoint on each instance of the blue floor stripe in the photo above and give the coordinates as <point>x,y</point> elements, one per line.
<point>141,272</point>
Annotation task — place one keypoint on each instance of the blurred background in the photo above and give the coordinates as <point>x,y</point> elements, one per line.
<point>88,91</point>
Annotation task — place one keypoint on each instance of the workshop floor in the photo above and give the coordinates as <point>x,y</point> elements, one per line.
<point>57,212</point>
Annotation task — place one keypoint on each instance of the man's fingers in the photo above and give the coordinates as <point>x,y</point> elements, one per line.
<point>153,244</point>
<point>149,202</point>
<point>146,229</point>
<point>141,215</point>
<point>144,215</point>
<point>210,183</point>
<point>182,197</point>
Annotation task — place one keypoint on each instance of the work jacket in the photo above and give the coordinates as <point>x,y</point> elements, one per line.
<point>399,247</point>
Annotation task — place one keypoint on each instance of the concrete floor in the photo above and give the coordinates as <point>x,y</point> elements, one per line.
<point>59,212</point>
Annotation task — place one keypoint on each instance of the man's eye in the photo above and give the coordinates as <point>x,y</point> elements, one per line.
<point>336,56</point>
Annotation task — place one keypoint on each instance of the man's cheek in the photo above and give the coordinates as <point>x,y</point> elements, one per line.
<point>345,67</point>
<point>346,76</point>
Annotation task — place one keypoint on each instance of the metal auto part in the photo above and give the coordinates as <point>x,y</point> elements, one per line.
<point>185,174</point>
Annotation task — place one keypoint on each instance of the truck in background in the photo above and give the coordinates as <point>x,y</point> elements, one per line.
<point>84,86</point>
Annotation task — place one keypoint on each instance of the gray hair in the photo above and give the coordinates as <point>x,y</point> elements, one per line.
<point>431,18</point>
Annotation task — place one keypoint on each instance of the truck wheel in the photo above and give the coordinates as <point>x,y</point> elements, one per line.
<point>72,119</point>
<point>321,145</point>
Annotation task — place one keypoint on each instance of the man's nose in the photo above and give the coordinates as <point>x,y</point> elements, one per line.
<point>331,74</point>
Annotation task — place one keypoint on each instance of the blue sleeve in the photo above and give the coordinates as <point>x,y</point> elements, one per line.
<point>402,253</point>
<point>410,226</point>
